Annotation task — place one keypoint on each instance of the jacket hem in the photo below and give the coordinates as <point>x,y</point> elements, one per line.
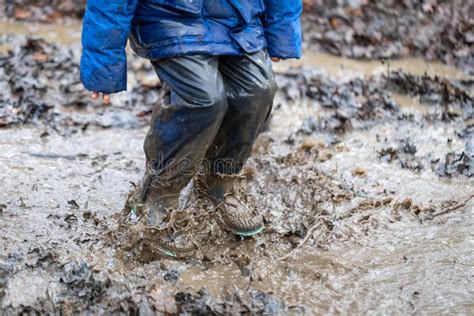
<point>178,47</point>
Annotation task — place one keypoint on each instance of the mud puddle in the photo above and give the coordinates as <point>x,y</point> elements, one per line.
<point>359,216</point>
<point>341,67</point>
<point>435,30</point>
<point>68,34</point>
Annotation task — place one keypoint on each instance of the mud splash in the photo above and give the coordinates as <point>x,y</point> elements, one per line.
<point>349,229</point>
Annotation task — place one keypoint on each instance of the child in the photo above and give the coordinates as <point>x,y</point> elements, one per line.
<point>213,58</point>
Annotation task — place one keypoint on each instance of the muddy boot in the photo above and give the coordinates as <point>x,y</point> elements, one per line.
<point>233,204</point>
<point>187,225</point>
<point>184,232</point>
<point>173,230</point>
<point>158,202</point>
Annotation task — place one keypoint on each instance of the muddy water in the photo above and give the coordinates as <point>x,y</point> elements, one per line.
<point>63,195</point>
<point>343,67</point>
<point>70,33</point>
<point>67,34</point>
<point>404,266</point>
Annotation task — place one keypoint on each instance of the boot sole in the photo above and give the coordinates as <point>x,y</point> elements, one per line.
<point>167,253</point>
<point>244,233</point>
<point>175,254</point>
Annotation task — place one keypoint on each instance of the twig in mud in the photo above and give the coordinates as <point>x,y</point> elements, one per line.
<point>450,209</point>
<point>454,262</point>
<point>53,156</point>
<point>311,230</point>
<point>239,297</point>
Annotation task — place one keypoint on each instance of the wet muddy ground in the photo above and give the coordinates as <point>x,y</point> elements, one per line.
<point>364,179</point>
<point>434,29</point>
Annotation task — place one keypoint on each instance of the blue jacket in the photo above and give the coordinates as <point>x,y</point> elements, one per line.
<point>166,28</point>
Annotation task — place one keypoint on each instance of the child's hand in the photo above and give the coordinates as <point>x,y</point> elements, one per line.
<point>275,59</point>
<point>106,97</point>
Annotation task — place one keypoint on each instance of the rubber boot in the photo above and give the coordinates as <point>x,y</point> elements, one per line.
<point>158,201</point>
<point>233,203</point>
<point>172,230</point>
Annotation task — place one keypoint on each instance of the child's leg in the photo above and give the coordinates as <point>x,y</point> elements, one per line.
<point>250,87</point>
<point>184,125</point>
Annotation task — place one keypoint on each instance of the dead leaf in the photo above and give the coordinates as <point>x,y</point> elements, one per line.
<point>359,171</point>
<point>22,14</point>
<point>41,57</point>
<point>334,22</point>
<point>356,12</point>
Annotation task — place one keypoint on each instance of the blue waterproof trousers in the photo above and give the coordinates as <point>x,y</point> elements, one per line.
<point>212,109</point>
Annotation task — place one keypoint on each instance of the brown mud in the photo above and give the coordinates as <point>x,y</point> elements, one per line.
<point>364,179</point>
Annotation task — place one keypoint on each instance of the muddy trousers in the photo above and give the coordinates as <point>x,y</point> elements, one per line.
<point>212,109</point>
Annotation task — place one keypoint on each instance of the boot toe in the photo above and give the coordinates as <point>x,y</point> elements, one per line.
<point>240,219</point>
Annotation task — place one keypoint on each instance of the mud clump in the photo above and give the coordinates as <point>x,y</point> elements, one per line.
<point>203,303</point>
<point>404,154</point>
<point>449,97</point>
<point>82,282</point>
<point>436,30</point>
<point>456,163</point>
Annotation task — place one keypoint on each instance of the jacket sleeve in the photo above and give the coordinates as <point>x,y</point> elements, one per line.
<point>283,28</point>
<point>104,37</point>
